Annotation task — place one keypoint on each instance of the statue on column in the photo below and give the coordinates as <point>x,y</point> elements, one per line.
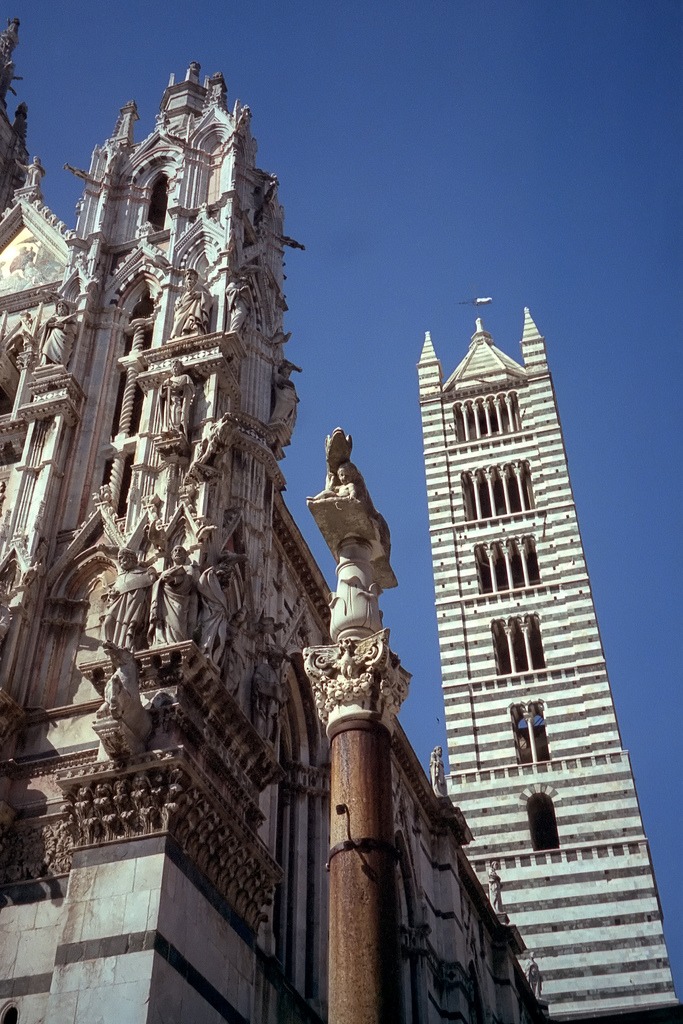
<point>58,334</point>
<point>173,615</point>
<point>192,309</point>
<point>437,773</point>
<point>176,396</point>
<point>128,602</point>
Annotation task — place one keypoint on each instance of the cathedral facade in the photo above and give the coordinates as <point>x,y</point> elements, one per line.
<point>164,774</point>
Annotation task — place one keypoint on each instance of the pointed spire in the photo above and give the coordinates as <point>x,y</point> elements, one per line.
<point>428,355</point>
<point>530,328</point>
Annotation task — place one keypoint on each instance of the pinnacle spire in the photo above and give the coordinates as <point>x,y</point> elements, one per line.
<point>530,328</point>
<point>428,355</point>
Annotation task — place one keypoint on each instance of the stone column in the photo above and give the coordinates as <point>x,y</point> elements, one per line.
<point>359,687</point>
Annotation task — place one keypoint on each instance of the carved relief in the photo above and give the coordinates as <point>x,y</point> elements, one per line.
<point>31,850</point>
<point>168,800</point>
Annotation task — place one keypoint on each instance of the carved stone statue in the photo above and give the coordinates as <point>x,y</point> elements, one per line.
<point>437,773</point>
<point>176,397</point>
<point>284,394</point>
<point>268,694</point>
<point>58,334</point>
<point>534,976</point>
<point>8,41</point>
<point>126,621</point>
<point>238,297</point>
<point>35,172</point>
<point>495,887</point>
<point>122,702</point>
<point>217,629</point>
<point>208,449</point>
<point>173,616</point>
<point>192,308</point>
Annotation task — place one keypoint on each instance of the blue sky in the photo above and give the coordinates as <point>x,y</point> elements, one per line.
<point>428,152</point>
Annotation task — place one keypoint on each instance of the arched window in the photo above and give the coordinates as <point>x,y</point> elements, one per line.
<point>483,569</point>
<point>542,822</point>
<point>501,648</point>
<point>516,565</point>
<point>468,497</point>
<point>158,203</point>
<point>531,560</point>
<point>10,1016</point>
<point>517,645</point>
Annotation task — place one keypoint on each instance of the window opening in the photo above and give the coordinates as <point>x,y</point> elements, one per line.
<point>158,203</point>
<point>542,822</point>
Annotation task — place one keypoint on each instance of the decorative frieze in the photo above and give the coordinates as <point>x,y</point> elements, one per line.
<point>35,849</point>
<point>173,797</point>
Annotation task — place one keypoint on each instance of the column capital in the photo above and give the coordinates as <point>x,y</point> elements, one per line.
<point>356,679</point>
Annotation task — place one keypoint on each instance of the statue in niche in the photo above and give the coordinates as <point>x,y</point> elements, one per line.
<point>284,393</point>
<point>35,172</point>
<point>534,976</point>
<point>437,773</point>
<point>192,309</point>
<point>217,624</point>
<point>58,334</point>
<point>176,397</point>
<point>128,602</point>
<point>209,448</point>
<point>269,695</point>
<point>495,888</point>
<point>239,301</point>
<point>173,615</point>
<point>122,699</point>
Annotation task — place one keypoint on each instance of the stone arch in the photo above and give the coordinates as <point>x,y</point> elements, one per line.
<point>72,626</point>
<point>539,787</point>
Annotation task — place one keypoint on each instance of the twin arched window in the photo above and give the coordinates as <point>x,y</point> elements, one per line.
<point>497,491</point>
<point>529,728</point>
<point>484,417</point>
<point>506,565</point>
<point>517,645</point>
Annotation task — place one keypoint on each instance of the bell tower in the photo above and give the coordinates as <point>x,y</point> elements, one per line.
<point>535,754</point>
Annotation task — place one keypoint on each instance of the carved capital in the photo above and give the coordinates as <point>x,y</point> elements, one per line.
<point>356,677</point>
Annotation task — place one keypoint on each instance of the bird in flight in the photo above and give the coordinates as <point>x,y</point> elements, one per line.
<point>476,302</point>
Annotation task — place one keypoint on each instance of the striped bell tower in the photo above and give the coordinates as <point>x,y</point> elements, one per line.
<point>536,760</point>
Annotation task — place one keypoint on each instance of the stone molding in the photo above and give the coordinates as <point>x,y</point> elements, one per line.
<point>11,716</point>
<point>54,392</point>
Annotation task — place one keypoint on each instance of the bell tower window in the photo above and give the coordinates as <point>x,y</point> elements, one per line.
<point>542,822</point>
<point>528,725</point>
